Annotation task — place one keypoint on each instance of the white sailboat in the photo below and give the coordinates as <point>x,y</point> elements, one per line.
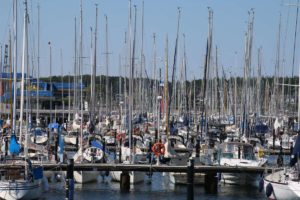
<point>85,154</point>
<point>243,155</point>
<point>285,184</point>
<point>133,156</point>
<point>22,183</point>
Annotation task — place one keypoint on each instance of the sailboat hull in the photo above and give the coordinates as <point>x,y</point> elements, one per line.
<point>283,190</point>
<point>240,179</point>
<point>135,177</point>
<point>85,176</point>
<point>12,190</point>
<point>181,178</point>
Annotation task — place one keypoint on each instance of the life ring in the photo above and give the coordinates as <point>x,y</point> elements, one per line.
<point>120,135</point>
<point>158,149</point>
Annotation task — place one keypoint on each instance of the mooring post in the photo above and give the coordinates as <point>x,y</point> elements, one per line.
<point>198,148</point>
<point>211,182</point>
<point>56,148</point>
<point>190,179</point>
<point>77,142</point>
<point>125,182</point>
<point>104,146</point>
<point>6,146</point>
<point>149,152</point>
<point>120,151</point>
<point>70,180</point>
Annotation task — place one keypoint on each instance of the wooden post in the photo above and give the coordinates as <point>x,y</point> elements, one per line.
<point>198,148</point>
<point>125,182</point>
<point>77,142</point>
<point>56,147</point>
<point>149,152</point>
<point>190,179</point>
<point>103,158</point>
<point>273,138</point>
<point>6,146</point>
<point>211,182</point>
<point>120,151</point>
<point>70,180</point>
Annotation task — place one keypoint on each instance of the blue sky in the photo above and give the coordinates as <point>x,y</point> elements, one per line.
<point>230,25</point>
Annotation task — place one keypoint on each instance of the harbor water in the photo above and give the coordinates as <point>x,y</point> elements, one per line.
<point>159,188</point>
<point>154,188</point>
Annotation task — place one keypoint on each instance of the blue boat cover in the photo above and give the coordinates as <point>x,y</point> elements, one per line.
<point>38,132</point>
<point>261,128</point>
<point>61,142</point>
<point>53,125</point>
<point>38,173</point>
<point>14,146</point>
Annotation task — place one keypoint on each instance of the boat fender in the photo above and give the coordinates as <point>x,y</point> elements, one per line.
<point>261,185</point>
<point>269,189</point>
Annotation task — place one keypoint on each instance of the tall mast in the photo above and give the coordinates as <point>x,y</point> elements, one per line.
<point>173,84</point>
<point>38,68</point>
<point>131,78</point>
<point>62,88</point>
<point>75,106</point>
<point>94,65</point>
<point>81,83</point>
<point>51,90</point>
<point>24,66</point>
<point>206,68</point>
<point>167,86</point>
<point>106,63</point>
<point>141,94</point>
<point>15,63</point>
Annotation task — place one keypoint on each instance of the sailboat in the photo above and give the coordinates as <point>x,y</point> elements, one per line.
<point>133,156</point>
<point>86,153</point>
<point>24,182</point>
<point>285,183</point>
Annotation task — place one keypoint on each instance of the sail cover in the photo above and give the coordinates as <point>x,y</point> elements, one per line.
<point>14,146</point>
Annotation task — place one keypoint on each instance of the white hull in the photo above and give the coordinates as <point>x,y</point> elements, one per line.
<point>20,189</point>
<point>289,190</point>
<point>70,139</point>
<point>135,177</point>
<point>40,139</point>
<point>240,179</point>
<point>181,178</point>
<point>85,176</point>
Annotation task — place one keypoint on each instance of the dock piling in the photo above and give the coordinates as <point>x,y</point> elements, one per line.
<point>125,182</point>
<point>70,180</point>
<point>190,179</point>
<point>211,182</point>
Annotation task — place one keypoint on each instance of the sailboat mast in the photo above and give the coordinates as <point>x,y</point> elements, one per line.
<point>94,65</point>
<point>81,83</point>
<point>62,88</point>
<point>106,63</point>
<point>167,86</point>
<point>38,68</point>
<point>173,84</point>
<point>15,62</point>
<point>75,107</point>
<point>24,63</point>
<point>51,90</point>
